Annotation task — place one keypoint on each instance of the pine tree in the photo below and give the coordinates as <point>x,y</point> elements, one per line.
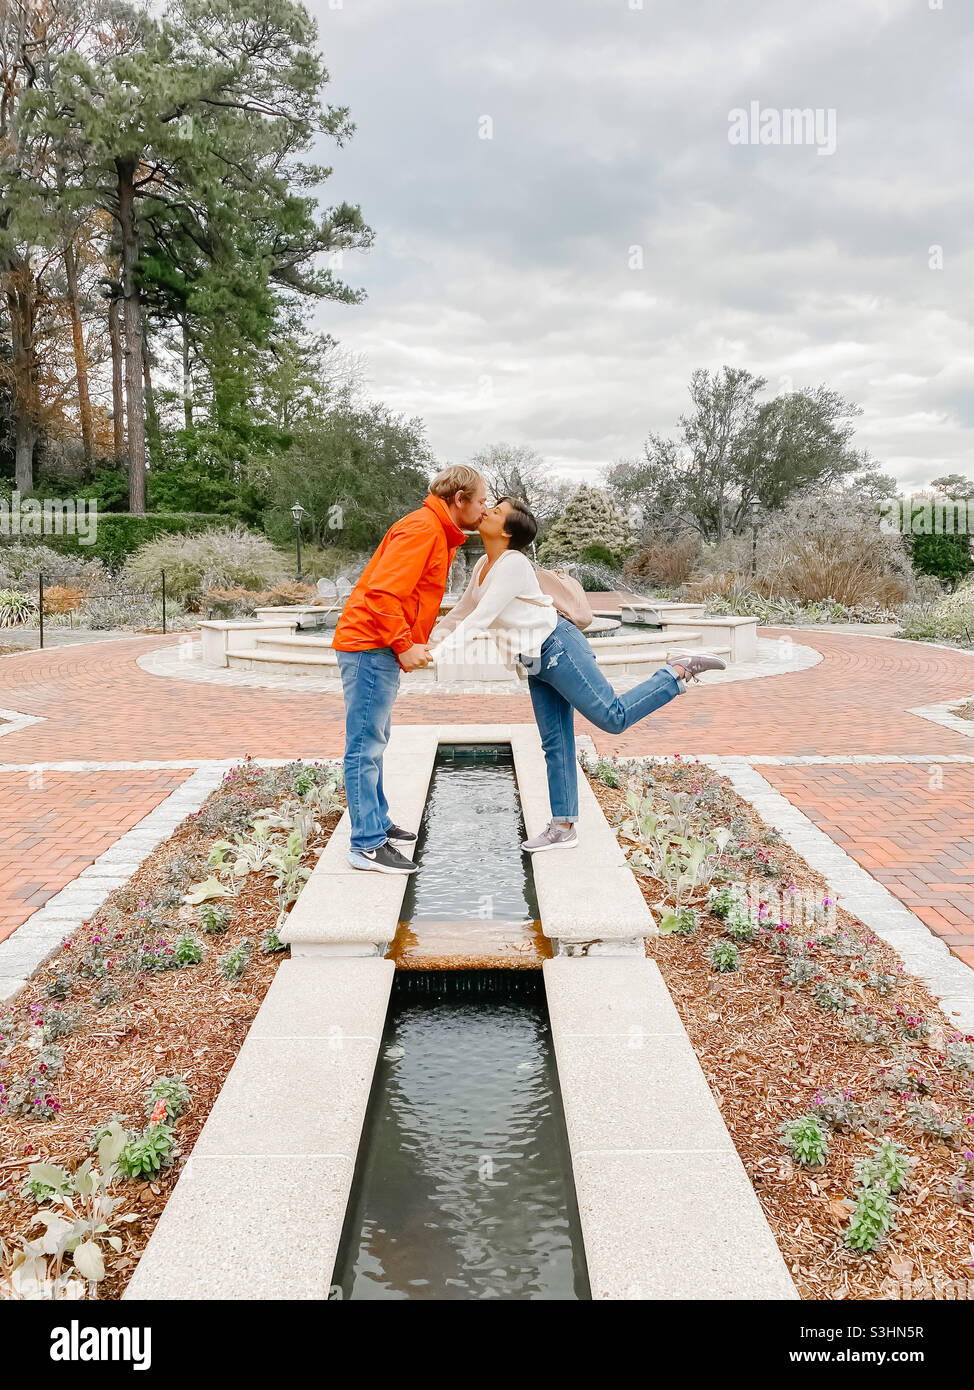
<point>592,521</point>
<point>185,130</point>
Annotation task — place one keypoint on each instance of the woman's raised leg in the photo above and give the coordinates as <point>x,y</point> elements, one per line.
<point>569,667</point>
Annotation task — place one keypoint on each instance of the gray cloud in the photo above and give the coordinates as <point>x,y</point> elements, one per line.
<point>501,301</point>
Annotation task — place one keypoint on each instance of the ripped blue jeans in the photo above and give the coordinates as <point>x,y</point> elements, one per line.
<point>566,677</point>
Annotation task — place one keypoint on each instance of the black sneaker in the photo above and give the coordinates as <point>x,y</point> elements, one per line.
<point>384,860</point>
<point>396,832</point>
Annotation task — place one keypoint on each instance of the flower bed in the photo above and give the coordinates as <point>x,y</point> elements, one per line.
<point>816,1043</point>
<point>149,1002</point>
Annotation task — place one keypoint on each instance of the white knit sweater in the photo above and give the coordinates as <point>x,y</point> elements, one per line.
<point>509,603</point>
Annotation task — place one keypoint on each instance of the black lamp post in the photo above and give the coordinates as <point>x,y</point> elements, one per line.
<point>297,511</point>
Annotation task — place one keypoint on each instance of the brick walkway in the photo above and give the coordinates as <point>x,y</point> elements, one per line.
<point>911,827</point>
<point>54,824</point>
<point>96,705</point>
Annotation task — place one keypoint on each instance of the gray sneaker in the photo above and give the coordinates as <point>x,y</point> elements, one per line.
<point>552,837</point>
<point>695,662</point>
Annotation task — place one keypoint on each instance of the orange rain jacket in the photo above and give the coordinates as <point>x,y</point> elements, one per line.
<point>397,599</point>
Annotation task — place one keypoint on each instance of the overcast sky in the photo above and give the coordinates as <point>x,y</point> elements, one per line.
<point>505,300</point>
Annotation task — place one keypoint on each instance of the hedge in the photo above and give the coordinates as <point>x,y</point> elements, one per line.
<point>118,534</point>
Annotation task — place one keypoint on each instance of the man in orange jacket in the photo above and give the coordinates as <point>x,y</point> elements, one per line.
<point>384,630</point>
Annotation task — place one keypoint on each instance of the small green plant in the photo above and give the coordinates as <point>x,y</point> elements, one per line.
<point>871,1219</point>
<point>911,1027</point>
<point>234,962</point>
<point>777,938</point>
<point>888,1164</point>
<point>106,994</point>
<point>906,1077</point>
<point>831,997</point>
<point>739,924</point>
<point>213,918</point>
<point>271,944</point>
<point>146,955</point>
<point>682,922</point>
<point>866,1028</point>
<point>209,888</point>
<point>181,868</point>
<point>46,1180</point>
<point>58,986</point>
<point>60,1023</point>
<point>721,900</point>
<point>148,1151</point>
<point>800,971</point>
<point>171,1089</point>
<point>960,1056</point>
<point>106,1130</point>
<point>839,1109</point>
<point>94,963</point>
<point>188,949</point>
<point>882,983</point>
<point>30,1096</point>
<point>305,778</point>
<point>725,957</point>
<point>933,1122</point>
<point>606,773</point>
<point>806,1140</point>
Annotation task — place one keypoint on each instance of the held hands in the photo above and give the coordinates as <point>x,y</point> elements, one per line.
<point>416,657</point>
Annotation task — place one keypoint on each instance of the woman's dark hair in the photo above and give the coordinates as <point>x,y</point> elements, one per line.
<point>520,523</point>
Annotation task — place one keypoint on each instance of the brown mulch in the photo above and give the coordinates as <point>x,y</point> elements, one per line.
<point>766,1049</point>
<point>190,1021</point>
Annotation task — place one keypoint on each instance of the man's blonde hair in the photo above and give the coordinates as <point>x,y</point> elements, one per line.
<point>459,478</point>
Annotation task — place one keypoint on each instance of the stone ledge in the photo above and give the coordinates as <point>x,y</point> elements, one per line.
<point>294,1096</point>
<point>589,893</point>
<point>258,1210</point>
<point>247,1228</point>
<point>10,987</point>
<point>314,1000</point>
<point>671,1226</point>
<point>666,1207</point>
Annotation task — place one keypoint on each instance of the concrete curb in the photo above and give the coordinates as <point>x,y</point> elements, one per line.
<point>258,1210</point>
<point>667,1208</point>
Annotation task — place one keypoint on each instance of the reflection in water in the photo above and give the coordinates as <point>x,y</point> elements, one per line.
<point>463,1186</point>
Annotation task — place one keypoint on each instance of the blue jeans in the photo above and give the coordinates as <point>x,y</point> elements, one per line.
<point>370,682</point>
<point>565,678</point>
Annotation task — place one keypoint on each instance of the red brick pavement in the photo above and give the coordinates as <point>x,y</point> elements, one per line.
<point>54,824</point>
<point>912,828</point>
<point>98,705</point>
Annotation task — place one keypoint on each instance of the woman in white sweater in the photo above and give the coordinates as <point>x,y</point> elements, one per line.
<point>504,598</point>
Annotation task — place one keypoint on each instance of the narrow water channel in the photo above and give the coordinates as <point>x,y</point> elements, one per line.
<point>463,1188</point>
<point>472,901</point>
